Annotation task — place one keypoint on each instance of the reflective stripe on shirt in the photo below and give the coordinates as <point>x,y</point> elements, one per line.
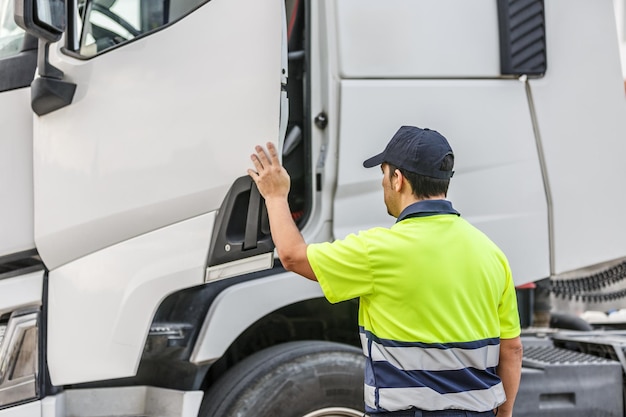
<point>396,399</point>
<point>431,376</point>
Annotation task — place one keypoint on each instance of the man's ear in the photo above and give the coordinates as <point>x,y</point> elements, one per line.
<point>400,180</point>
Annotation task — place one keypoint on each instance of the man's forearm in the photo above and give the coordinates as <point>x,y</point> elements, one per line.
<point>510,371</point>
<point>289,242</point>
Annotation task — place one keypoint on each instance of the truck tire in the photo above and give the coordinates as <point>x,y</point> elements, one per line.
<point>296,379</point>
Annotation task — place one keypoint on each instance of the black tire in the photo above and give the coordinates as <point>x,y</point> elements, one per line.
<point>291,380</point>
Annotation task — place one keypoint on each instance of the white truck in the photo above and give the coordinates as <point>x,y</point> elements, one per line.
<point>137,273</point>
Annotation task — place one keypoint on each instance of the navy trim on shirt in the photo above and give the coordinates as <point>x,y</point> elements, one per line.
<point>425,208</point>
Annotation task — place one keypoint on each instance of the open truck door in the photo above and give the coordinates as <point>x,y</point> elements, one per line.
<point>113,157</point>
<point>146,114</point>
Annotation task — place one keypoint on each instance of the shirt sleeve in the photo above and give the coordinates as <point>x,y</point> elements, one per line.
<point>342,268</point>
<point>507,310</point>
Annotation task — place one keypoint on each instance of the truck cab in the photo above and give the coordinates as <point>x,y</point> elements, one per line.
<point>138,262</point>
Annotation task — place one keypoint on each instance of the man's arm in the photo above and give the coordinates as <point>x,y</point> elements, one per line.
<point>273,183</point>
<point>510,371</point>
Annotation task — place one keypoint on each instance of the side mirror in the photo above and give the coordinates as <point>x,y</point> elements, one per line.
<point>44,19</point>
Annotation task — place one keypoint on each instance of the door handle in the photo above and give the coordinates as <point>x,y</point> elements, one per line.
<point>253,219</point>
<point>240,229</point>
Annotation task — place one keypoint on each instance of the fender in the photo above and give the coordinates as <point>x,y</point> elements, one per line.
<point>117,290</point>
<point>239,306</point>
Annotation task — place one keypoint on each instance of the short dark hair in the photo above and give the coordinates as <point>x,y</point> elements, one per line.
<point>427,187</point>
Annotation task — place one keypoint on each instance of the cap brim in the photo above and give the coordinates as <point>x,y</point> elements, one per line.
<point>374,160</point>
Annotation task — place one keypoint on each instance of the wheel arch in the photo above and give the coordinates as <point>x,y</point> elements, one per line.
<point>200,333</point>
<point>240,306</point>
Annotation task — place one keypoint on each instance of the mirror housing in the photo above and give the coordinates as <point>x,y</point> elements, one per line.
<point>44,19</point>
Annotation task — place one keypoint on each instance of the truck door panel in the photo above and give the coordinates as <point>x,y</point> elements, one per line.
<point>116,291</point>
<point>426,38</point>
<point>121,160</point>
<point>580,118</point>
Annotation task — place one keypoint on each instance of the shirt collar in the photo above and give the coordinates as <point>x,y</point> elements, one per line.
<point>425,208</point>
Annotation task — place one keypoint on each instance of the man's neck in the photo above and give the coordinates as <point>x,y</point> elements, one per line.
<point>412,199</point>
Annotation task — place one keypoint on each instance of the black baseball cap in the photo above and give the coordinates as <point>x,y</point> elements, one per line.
<point>416,150</point>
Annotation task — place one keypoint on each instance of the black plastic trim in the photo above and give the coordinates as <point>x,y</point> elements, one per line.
<point>18,255</point>
<point>49,94</point>
<point>242,227</point>
<point>522,37</point>
<point>18,70</point>
<point>20,263</point>
<point>45,384</point>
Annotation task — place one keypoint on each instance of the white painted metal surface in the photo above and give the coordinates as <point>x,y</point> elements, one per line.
<point>417,39</point>
<point>497,183</point>
<point>132,401</point>
<point>16,171</point>
<point>114,293</point>
<point>25,410</point>
<point>53,405</point>
<point>581,111</point>
<point>162,140</point>
<point>227,318</point>
<point>21,291</point>
<point>620,18</point>
<point>112,402</point>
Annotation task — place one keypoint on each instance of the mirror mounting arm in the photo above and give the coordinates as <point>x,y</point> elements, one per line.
<point>45,68</point>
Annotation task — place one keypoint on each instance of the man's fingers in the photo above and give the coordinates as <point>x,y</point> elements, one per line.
<point>255,160</point>
<point>261,160</point>
<point>260,153</point>
<point>253,174</point>
<point>273,153</point>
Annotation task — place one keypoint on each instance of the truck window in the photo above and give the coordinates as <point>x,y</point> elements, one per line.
<point>108,23</point>
<point>11,36</point>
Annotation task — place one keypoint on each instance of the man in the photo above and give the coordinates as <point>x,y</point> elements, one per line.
<point>437,313</point>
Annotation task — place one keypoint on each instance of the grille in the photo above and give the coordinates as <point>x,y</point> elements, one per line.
<point>600,343</point>
<point>522,37</point>
<point>546,355</point>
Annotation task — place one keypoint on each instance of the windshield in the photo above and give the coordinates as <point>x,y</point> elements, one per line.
<point>11,35</point>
